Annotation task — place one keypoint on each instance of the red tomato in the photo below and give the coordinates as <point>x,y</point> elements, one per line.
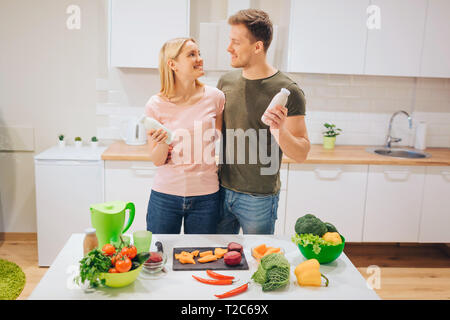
<point>115,258</point>
<point>108,249</point>
<point>133,251</point>
<point>113,270</point>
<point>130,252</point>
<point>123,265</point>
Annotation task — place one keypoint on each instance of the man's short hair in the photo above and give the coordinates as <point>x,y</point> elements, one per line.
<point>257,22</point>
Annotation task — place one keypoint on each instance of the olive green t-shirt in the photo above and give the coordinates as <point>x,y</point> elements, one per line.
<point>246,161</point>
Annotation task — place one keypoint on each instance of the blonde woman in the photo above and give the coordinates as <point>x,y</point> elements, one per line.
<point>186,186</point>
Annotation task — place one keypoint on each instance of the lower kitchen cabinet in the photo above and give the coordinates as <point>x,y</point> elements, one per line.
<point>334,193</point>
<point>435,220</point>
<point>393,203</point>
<point>130,181</point>
<point>281,212</point>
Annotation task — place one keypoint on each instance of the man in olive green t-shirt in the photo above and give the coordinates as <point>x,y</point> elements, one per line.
<point>251,150</point>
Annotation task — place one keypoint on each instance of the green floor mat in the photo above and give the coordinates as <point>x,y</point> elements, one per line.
<point>12,280</point>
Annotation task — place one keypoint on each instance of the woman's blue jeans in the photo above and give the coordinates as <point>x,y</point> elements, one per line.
<point>165,213</point>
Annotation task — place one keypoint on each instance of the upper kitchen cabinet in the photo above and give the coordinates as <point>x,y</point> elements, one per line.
<point>327,36</point>
<point>139,28</point>
<point>394,49</point>
<point>436,46</point>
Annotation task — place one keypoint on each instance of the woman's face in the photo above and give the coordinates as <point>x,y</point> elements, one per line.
<point>189,64</point>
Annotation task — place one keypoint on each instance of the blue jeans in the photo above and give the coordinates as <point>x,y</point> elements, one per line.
<point>256,214</point>
<point>165,213</point>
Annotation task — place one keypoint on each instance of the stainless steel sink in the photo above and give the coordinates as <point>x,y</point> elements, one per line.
<point>399,152</point>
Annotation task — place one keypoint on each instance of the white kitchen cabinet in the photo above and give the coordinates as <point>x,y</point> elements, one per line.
<point>327,36</point>
<point>333,193</point>
<point>139,28</point>
<point>68,181</point>
<point>395,48</point>
<point>130,181</point>
<point>435,219</point>
<point>393,203</point>
<point>436,46</point>
<point>281,212</point>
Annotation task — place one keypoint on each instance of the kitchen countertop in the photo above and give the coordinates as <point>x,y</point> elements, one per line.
<point>345,280</point>
<point>317,155</point>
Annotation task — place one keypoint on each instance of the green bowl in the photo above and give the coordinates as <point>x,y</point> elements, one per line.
<point>327,254</point>
<point>119,280</point>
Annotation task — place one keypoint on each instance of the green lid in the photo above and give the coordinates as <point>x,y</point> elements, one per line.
<point>112,207</point>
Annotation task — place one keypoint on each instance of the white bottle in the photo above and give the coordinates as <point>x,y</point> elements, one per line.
<point>151,123</point>
<point>421,134</point>
<point>280,98</point>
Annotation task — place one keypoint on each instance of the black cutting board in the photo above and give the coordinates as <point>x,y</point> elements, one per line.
<point>219,264</point>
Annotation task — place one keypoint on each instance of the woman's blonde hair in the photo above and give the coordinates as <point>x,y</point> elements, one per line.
<point>171,50</point>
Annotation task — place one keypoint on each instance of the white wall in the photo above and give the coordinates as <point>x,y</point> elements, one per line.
<point>49,82</point>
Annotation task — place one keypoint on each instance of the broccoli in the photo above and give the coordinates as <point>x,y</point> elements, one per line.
<point>310,224</point>
<point>330,227</point>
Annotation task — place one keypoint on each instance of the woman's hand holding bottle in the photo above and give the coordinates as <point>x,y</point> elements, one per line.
<point>158,136</point>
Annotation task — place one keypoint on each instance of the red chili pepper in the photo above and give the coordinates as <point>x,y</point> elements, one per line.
<point>209,281</point>
<point>233,292</point>
<point>218,276</point>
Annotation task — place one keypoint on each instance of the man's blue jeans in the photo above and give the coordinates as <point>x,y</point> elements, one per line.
<point>256,214</point>
<point>166,212</point>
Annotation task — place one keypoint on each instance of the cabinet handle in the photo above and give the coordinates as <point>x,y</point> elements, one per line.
<point>399,175</point>
<point>144,171</point>
<point>446,175</point>
<point>328,174</point>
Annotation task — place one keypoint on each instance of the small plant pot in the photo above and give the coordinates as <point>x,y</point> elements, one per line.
<point>78,144</point>
<point>61,143</point>
<point>94,144</point>
<point>329,142</point>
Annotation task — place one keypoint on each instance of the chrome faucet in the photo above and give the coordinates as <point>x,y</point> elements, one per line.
<point>389,138</point>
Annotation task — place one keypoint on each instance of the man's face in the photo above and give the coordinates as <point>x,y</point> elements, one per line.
<point>241,47</point>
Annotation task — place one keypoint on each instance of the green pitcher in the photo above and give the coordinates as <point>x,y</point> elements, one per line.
<point>108,220</point>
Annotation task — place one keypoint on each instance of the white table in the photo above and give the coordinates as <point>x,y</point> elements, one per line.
<point>345,280</point>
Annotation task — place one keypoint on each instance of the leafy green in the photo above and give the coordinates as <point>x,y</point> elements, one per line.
<point>91,266</point>
<point>273,272</point>
<point>305,239</point>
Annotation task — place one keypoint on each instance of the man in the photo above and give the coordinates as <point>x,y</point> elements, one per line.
<point>249,195</point>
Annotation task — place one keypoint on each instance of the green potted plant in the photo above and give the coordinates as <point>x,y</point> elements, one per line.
<point>329,135</point>
<point>61,140</point>
<point>78,142</point>
<point>94,142</point>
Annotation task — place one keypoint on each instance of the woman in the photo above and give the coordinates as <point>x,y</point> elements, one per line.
<point>186,185</point>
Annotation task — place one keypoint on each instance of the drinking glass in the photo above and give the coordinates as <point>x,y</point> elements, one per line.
<point>142,240</point>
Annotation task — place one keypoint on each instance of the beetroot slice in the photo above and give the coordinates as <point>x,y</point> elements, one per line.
<point>232,258</point>
<point>234,246</point>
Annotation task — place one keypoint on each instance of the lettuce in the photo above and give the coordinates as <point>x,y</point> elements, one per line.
<point>305,239</point>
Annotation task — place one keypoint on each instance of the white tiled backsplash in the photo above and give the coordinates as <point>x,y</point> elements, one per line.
<point>360,105</point>
<point>371,129</point>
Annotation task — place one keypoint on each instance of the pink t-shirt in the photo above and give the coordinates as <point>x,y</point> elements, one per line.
<point>192,170</point>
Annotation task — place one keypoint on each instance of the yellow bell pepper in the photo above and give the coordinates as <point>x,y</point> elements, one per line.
<point>305,265</point>
<point>333,237</point>
<point>308,273</point>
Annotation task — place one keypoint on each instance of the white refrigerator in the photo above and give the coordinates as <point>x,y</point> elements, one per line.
<point>68,181</point>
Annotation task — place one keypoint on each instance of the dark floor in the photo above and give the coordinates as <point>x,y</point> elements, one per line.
<point>398,255</point>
